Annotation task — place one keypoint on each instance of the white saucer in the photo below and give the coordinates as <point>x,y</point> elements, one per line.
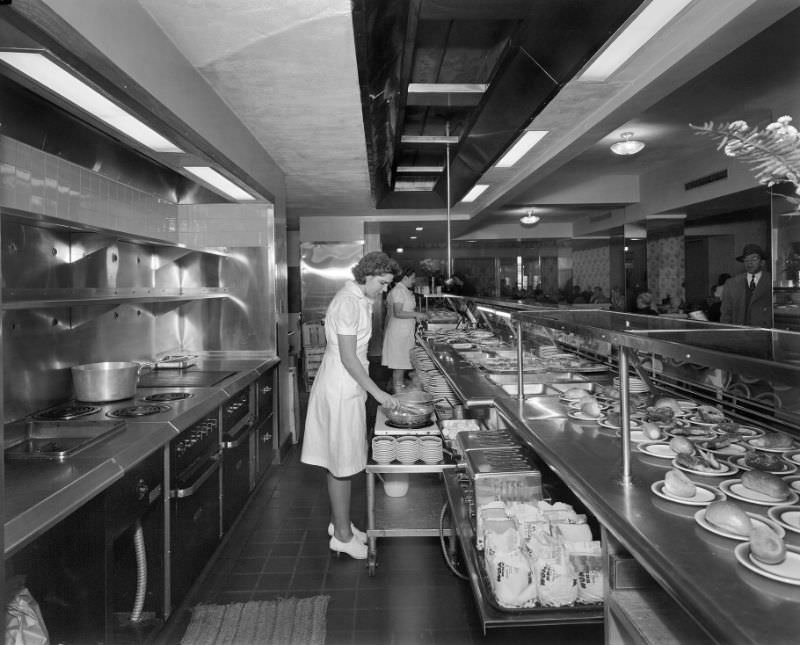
<point>750,443</point>
<point>787,516</point>
<point>732,450</point>
<point>580,416</point>
<point>699,422</point>
<point>755,520</point>
<point>787,571</point>
<point>703,496</point>
<point>658,449</point>
<point>734,488</point>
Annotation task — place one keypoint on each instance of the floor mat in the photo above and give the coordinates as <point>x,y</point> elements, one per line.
<point>288,621</point>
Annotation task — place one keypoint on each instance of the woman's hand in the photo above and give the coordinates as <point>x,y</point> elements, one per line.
<point>421,315</point>
<point>388,401</point>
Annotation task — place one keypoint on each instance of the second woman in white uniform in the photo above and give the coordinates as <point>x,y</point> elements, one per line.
<point>401,320</point>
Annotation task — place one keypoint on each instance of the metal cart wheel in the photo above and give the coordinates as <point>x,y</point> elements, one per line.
<point>372,562</point>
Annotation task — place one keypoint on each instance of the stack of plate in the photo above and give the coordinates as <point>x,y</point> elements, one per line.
<point>635,384</point>
<point>546,351</point>
<point>407,450</point>
<point>430,449</point>
<point>383,449</point>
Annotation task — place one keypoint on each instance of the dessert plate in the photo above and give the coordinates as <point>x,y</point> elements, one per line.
<point>787,516</point>
<point>703,495</point>
<point>734,488</point>
<point>580,416</point>
<point>755,520</point>
<point>733,450</point>
<point>785,467</point>
<point>787,571</point>
<point>727,469</point>
<point>750,443</point>
<point>657,449</point>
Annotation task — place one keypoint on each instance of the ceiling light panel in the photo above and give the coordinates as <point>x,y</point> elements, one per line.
<point>55,78</point>
<point>641,29</point>
<point>477,191</point>
<point>219,182</point>
<point>521,147</point>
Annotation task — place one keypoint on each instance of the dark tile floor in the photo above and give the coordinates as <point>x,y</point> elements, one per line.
<point>279,548</point>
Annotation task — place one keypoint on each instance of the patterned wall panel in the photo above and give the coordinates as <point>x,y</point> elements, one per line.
<point>591,268</point>
<point>666,270</point>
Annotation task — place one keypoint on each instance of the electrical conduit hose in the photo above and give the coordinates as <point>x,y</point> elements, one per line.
<point>141,572</point>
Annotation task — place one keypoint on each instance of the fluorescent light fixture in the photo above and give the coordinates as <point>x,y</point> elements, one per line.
<point>521,147</point>
<point>419,228</point>
<point>641,29</point>
<point>412,237</point>
<point>55,78</point>
<point>494,312</point>
<point>477,191</point>
<point>220,183</point>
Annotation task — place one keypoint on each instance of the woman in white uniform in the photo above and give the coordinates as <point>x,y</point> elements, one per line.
<point>398,337</point>
<point>335,436</point>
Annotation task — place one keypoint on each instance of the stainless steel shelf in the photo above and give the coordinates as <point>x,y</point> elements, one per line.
<point>45,298</point>
<point>491,616</point>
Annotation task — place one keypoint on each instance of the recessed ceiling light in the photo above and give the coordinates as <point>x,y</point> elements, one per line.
<point>641,29</point>
<point>399,249</point>
<point>412,237</point>
<point>55,78</point>
<point>477,191</point>
<point>419,228</point>
<point>521,147</point>
<point>219,182</point>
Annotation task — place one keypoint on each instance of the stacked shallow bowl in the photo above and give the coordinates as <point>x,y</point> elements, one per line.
<point>635,384</point>
<point>430,449</point>
<point>384,449</point>
<point>407,450</point>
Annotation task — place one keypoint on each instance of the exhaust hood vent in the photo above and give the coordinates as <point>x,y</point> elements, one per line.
<point>708,179</point>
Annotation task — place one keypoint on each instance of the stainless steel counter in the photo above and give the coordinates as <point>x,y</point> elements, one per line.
<point>697,568</point>
<point>40,494</point>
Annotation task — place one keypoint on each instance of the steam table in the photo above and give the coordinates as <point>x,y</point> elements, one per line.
<point>417,513</point>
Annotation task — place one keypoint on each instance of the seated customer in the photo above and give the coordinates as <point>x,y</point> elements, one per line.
<point>644,304</point>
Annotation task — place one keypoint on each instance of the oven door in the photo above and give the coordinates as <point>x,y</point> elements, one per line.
<point>235,473</point>
<point>194,524</point>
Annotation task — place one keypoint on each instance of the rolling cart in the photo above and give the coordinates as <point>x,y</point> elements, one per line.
<point>417,513</point>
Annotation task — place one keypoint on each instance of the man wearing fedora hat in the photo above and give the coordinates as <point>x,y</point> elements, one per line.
<point>747,297</point>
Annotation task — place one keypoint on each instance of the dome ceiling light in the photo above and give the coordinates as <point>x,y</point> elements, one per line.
<point>529,218</point>
<point>627,146</point>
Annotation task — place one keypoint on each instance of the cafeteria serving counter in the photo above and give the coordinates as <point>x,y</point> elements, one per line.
<point>681,580</point>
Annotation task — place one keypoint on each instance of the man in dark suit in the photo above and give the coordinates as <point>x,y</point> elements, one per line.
<point>747,297</point>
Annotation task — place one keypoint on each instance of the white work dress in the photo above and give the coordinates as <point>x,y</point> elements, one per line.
<point>398,337</point>
<point>335,435</point>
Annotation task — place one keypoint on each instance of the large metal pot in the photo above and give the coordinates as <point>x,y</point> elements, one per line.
<point>102,382</point>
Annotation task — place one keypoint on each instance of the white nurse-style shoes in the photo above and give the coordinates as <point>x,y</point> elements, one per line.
<point>355,549</point>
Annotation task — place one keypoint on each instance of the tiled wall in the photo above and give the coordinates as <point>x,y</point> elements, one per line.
<point>229,225</point>
<point>37,182</point>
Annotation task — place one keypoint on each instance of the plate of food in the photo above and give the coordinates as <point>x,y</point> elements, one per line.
<point>702,465</point>
<point>792,456</point>
<point>727,519</point>
<point>793,481</point>
<point>766,461</point>
<point>708,415</point>
<point>613,424</point>
<point>772,442</point>
<point>686,405</point>
<point>723,449</point>
<point>787,516</point>
<point>737,431</point>
<point>579,415</point>
<point>760,488</point>
<point>787,571</point>
<point>703,494</point>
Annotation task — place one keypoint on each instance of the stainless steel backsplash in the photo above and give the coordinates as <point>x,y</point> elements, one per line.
<point>44,338</point>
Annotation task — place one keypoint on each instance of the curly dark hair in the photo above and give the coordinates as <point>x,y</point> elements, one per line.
<point>375,263</point>
<point>406,271</point>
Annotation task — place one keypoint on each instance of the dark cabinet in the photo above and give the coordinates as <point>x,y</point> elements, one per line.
<point>265,396</point>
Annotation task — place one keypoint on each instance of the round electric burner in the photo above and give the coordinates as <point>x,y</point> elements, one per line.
<point>408,426</point>
<point>66,412</point>
<point>167,396</point>
<point>133,411</point>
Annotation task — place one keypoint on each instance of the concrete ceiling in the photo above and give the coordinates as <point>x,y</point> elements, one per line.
<point>288,69</point>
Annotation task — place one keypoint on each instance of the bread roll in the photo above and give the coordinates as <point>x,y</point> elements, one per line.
<point>710,414</point>
<point>668,402</point>
<point>678,484</point>
<point>729,516</point>
<point>681,445</point>
<point>575,393</point>
<point>592,409</point>
<point>765,483</point>
<point>766,546</point>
